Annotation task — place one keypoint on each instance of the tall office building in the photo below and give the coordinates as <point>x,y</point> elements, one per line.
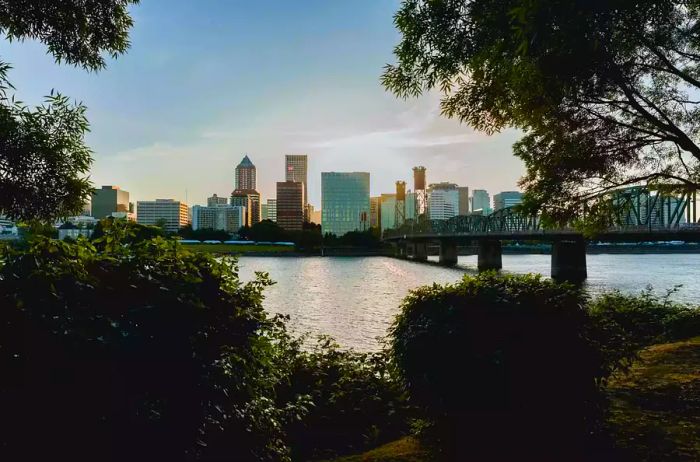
<point>387,211</point>
<point>224,217</point>
<point>263,212</point>
<point>507,199</point>
<point>250,199</point>
<point>108,200</point>
<point>173,214</point>
<point>481,201</point>
<point>215,200</point>
<point>344,202</point>
<point>272,209</point>
<point>295,169</point>
<point>443,201</point>
<point>375,211</point>
<point>246,175</point>
<point>410,205</point>
<point>463,192</point>
<point>291,198</point>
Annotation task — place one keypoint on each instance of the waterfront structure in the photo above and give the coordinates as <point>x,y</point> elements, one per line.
<point>246,175</point>
<point>507,199</point>
<point>110,199</point>
<point>215,200</point>
<point>443,201</point>
<point>223,217</point>
<point>172,214</point>
<point>290,208</point>
<point>375,212</point>
<point>481,201</point>
<point>345,204</point>
<point>250,199</point>
<point>387,211</point>
<point>463,192</point>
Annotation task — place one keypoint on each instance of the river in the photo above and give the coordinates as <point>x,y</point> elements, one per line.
<point>354,299</point>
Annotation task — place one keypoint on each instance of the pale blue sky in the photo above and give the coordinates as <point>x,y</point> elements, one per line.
<point>206,81</point>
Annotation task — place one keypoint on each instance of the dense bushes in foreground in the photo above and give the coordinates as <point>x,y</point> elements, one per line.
<point>135,349</point>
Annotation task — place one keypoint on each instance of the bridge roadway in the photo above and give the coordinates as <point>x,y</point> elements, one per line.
<point>568,245</point>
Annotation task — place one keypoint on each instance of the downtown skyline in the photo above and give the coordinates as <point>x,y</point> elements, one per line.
<point>176,114</point>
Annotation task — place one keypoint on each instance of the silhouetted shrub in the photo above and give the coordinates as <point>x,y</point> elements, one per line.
<point>500,367</point>
<point>358,401</point>
<point>622,324</point>
<point>126,349</point>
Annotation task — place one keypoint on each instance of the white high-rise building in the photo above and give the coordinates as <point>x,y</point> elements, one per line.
<point>443,201</point>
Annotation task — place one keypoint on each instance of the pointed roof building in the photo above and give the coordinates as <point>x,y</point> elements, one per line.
<point>245,175</point>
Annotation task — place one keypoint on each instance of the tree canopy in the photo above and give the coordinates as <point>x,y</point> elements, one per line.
<point>44,160</point>
<point>606,92</point>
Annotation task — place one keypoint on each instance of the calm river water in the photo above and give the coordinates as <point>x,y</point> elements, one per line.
<point>354,299</point>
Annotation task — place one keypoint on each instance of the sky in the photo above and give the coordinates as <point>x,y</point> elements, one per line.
<point>208,81</point>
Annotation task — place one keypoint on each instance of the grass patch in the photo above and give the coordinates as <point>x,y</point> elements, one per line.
<point>404,450</point>
<point>655,408</point>
<point>237,248</point>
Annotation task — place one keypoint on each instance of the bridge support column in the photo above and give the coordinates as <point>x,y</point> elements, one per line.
<point>569,260</point>
<point>420,251</point>
<point>402,250</point>
<point>448,253</point>
<point>490,255</point>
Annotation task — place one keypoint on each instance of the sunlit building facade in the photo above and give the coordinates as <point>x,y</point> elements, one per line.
<point>345,204</point>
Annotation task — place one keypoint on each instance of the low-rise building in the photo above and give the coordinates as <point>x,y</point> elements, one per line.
<point>227,218</point>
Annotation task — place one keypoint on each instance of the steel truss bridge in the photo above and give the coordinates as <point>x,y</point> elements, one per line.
<point>636,214</point>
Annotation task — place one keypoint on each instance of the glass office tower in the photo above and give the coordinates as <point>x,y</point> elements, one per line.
<point>344,202</point>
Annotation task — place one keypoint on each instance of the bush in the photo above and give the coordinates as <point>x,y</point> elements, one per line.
<point>500,367</point>
<point>358,402</point>
<point>621,324</point>
<point>137,351</point>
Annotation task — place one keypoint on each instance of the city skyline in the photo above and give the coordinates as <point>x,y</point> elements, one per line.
<point>163,130</point>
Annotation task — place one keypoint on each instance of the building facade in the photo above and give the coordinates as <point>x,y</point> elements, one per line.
<point>463,192</point>
<point>507,199</point>
<point>246,175</point>
<point>387,211</point>
<point>443,201</point>
<point>171,213</point>
<point>272,209</point>
<point>215,201</point>
<point>375,211</point>
<point>250,199</point>
<point>345,204</point>
<point>290,207</point>
<point>108,200</point>
<point>481,201</point>
<point>225,217</point>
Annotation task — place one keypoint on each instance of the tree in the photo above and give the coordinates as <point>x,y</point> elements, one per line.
<point>43,157</point>
<point>606,92</point>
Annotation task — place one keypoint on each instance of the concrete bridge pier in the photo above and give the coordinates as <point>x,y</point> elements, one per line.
<point>569,260</point>
<point>448,252</point>
<point>490,255</point>
<point>420,251</point>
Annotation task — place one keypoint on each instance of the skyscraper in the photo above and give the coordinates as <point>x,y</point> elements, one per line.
<point>272,209</point>
<point>375,212</point>
<point>344,202</point>
<point>387,211</point>
<point>295,169</point>
<point>245,175</point>
<point>507,199</point>
<point>443,201</point>
<point>481,201</point>
<point>250,199</point>
<point>290,205</point>
<point>463,192</point>
<point>108,200</point>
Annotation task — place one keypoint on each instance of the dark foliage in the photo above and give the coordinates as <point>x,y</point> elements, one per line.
<point>500,367</point>
<point>206,234</point>
<point>367,239</point>
<point>139,351</point>
<point>358,401</point>
<point>128,232</point>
